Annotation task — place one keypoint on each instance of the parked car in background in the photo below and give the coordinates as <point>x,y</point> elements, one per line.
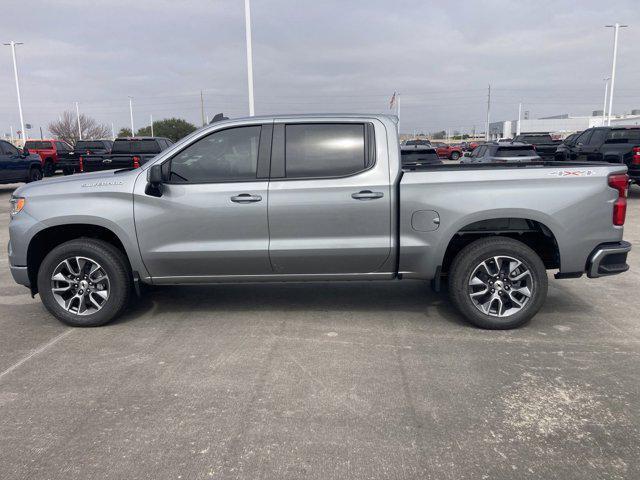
<point>565,146</point>
<point>418,155</point>
<point>607,144</point>
<point>417,141</point>
<point>71,164</point>
<point>501,152</point>
<point>544,144</point>
<point>18,166</point>
<point>452,152</point>
<point>316,197</point>
<point>125,153</point>
<point>53,154</point>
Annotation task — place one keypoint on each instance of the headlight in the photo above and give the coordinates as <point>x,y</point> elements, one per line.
<point>17,204</point>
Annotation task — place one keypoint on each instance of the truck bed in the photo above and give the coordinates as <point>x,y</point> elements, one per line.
<point>572,200</point>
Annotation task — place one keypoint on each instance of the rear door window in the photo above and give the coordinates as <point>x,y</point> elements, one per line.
<point>325,149</point>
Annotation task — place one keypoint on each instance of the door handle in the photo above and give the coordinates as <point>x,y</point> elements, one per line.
<point>367,195</point>
<point>246,198</point>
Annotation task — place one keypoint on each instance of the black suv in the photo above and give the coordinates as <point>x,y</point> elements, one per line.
<point>606,144</point>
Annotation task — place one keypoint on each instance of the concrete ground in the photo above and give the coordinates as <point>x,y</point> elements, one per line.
<point>325,381</point>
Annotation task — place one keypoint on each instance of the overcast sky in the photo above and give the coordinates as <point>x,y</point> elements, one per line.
<point>317,56</point>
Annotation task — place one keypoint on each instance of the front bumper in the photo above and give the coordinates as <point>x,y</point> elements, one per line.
<point>608,259</point>
<point>20,275</point>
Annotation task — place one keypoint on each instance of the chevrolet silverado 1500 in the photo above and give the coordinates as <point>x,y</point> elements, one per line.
<point>316,198</point>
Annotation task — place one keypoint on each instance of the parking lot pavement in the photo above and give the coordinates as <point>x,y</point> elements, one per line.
<point>327,381</point>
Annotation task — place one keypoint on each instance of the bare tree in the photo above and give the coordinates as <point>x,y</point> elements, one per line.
<point>67,128</point>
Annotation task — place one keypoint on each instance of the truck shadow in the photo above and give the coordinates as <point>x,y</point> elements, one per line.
<point>353,299</point>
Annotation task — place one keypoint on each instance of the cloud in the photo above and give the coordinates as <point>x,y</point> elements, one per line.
<point>317,56</point>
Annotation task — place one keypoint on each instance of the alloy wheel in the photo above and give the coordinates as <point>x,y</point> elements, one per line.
<point>80,285</point>
<point>500,286</point>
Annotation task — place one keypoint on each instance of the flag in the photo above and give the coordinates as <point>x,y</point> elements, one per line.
<point>392,103</point>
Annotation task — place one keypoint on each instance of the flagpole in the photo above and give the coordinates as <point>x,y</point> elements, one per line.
<point>398,115</point>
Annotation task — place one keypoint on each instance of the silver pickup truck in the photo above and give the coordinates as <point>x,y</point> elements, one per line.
<point>316,198</point>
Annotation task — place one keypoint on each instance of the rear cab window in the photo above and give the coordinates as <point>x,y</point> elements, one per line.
<point>38,145</point>
<point>141,146</point>
<point>519,151</point>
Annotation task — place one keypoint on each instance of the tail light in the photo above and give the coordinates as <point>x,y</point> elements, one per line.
<point>636,156</point>
<point>136,162</point>
<point>619,181</point>
<point>81,164</point>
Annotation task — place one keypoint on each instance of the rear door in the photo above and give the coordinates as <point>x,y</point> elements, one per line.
<point>211,218</point>
<point>329,198</point>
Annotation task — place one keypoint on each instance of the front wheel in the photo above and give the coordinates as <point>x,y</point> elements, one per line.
<point>85,282</point>
<point>498,283</point>
<point>454,156</point>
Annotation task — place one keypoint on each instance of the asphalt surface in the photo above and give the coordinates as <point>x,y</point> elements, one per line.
<point>323,381</point>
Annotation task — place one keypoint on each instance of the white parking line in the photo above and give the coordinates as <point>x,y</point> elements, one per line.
<point>37,351</point>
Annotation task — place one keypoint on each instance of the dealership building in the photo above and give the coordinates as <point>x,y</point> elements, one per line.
<point>560,125</point>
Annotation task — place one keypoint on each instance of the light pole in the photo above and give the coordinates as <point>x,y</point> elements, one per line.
<point>78,117</point>
<point>13,44</point>
<point>151,123</point>
<point>519,118</point>
<point>604,106</point>
<point>131,113</point>
<point>616,28</point>
<point>247,24</point>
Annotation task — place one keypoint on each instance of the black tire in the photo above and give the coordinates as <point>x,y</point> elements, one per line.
<point>35,174</point>
<point>49,168</point>
<point>470,257</point>
<point>112,261</point>
<point>68,171</point>
<point>454,156</point>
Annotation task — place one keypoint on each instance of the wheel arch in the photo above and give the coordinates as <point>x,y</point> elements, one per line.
<point>52,236</point>
<point>533,232</point>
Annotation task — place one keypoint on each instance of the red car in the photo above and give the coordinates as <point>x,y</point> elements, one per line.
<point>51,153</point>
<point>452,152</point>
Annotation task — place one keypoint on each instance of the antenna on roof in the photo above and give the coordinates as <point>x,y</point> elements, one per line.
<point>218,117</point>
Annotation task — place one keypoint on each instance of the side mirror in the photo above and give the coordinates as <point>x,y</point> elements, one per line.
<point>154,181</point>
<point>154,176</point>
<point>25,152</point>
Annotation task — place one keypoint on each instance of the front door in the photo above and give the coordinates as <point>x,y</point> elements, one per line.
<point>329,199</point>
<point>14,166</point>
<point>210,219</point>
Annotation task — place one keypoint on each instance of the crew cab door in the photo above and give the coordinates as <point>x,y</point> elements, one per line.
<point>329,198</point>
<point>210,218</point>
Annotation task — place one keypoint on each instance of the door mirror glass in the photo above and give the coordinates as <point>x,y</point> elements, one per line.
<point>155,174</point>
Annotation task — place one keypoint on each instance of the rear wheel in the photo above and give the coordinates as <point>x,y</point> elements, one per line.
<point>454,156</point>
<point>49,168</point>
<point>498,283</point>
<point>85,282</point>
<point>35,174</point>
